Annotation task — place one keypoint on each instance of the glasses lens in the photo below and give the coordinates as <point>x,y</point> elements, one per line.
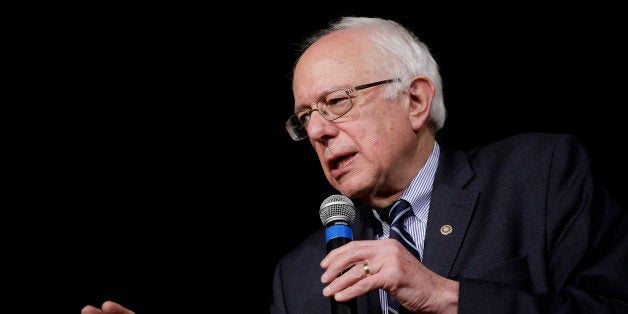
<point>295,128</point>
<point>335,104</point>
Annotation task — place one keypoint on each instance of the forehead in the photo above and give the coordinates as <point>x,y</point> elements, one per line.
<point>336,60</point>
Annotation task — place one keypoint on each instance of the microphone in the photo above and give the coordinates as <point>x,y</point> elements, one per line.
<point>337,212</point>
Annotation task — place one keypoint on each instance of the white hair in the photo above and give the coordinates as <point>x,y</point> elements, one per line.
<point>399,54</point>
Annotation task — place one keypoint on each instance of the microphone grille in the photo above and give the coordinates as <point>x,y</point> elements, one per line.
<point>337,207</point>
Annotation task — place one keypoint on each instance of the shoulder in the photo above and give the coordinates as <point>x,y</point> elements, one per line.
<point>311,248</point>
<point>534,141</point>
<point>296,280</point>
<point>540,147</point>
<point>524,155</point>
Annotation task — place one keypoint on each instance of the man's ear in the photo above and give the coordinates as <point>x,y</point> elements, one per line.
<point>421,92</point>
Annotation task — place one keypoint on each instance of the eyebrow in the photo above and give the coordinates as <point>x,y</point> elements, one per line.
<point>302,107</point>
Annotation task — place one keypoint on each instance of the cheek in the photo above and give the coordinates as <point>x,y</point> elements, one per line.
<point>380,132</point>
<point>375,141</point>
<point>319,152</point>
<point>386,138</point>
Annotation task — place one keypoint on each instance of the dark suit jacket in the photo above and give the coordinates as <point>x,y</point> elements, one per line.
<point>533,231</point>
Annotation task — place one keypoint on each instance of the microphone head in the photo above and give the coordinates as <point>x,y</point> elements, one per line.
<point>337,207</point>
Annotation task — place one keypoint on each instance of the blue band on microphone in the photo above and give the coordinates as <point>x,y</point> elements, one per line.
<point>337,231</point>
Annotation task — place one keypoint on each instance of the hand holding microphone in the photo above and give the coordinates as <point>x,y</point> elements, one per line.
<point>337,212</point>
<point>389,264</point>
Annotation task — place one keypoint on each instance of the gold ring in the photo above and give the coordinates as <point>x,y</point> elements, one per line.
<point>367,271</point>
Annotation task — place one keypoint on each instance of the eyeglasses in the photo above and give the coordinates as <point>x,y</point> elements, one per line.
<point>331,106</point>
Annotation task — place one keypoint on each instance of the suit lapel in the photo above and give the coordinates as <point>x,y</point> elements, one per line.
<point>451,207</point>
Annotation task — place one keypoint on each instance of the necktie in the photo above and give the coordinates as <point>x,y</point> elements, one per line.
<point>398,213</point>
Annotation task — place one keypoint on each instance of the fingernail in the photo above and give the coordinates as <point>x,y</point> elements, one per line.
<point>326,291</point>
<point>324,278</point>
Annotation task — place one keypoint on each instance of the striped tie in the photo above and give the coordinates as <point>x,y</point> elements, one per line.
<point>395,218</point>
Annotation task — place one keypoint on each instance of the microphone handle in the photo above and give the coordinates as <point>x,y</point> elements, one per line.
<point>348,307</point>
<point>336,243</point>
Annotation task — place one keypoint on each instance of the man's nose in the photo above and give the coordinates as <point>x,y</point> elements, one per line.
<point>318,127</point>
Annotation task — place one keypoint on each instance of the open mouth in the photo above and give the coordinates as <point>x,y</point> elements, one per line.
<point>340,161</point>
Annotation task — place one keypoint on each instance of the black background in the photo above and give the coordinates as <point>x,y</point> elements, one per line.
<point>162,177</point>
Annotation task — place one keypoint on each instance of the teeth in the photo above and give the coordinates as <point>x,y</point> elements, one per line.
<point>341,162</point>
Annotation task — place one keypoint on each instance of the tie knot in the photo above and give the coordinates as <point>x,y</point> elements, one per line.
<point>397,212</point>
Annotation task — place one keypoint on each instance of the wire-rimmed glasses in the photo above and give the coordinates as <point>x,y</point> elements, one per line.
<point>331,106</point>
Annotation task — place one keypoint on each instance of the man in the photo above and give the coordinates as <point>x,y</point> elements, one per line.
<point>517,225</point>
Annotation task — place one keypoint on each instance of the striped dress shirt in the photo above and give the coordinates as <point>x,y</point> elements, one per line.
<point>418,194</point>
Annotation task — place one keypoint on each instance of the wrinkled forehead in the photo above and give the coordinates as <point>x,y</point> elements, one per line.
<point>337,60</point>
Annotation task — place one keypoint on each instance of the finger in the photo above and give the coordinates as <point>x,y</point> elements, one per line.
<point>344,257</point>
<point>89,309</point>
<point>333,255</point>
<point>111,307</point>
<point>351,248</point>
<point>358,281</point>
<point>347,278</point>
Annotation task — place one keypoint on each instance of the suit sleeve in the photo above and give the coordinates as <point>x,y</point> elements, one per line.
<point>586,235</point>
<point>277,305</point>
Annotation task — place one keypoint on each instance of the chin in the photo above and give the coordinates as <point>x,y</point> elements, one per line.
<point>349,190</point>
